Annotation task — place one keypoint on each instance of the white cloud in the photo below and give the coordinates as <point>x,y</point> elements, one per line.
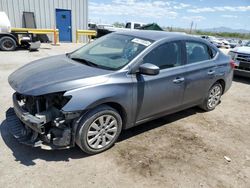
<point>137,8</point>
<point>200,10</point>
<point>181,6</point>
<point>160,3</point>
<point>194,18</point>
<point>229,16</point>
<point>222,9</point>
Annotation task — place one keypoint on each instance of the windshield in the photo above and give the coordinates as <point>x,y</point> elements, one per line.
<point>112,51</point>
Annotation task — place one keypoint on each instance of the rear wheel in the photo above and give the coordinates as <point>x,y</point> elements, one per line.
<point>99,129</point>
<point>7,44</point>
<point>213,97</point>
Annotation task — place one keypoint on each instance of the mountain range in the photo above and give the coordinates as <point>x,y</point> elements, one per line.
<point>226,29</point>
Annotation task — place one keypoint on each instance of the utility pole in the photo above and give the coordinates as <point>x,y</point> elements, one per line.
<point>191,27</point>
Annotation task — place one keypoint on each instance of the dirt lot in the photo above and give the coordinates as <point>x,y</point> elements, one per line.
<point>186,149</point>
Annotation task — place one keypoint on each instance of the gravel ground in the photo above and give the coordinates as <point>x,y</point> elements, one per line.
<point>186,149</point>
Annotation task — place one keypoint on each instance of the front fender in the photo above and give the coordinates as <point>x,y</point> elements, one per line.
<point>89,97</point>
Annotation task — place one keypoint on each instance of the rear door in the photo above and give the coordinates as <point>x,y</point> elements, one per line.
<point>200,71</point>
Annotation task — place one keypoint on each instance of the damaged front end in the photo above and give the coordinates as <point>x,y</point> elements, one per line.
<point>39,121</point>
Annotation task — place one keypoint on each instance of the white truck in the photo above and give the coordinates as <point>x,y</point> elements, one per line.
<point>241,56</point>
<point>134,25</point>
<point>9,40</point>
<point>103,29</point>
<point>128,26</point>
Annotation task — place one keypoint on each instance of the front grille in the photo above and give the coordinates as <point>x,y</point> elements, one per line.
<point>244,60</point>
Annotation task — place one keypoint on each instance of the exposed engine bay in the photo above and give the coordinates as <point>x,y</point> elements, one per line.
<point>43,120</point>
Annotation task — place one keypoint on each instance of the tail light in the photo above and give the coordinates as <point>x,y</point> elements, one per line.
<point>233,64</point>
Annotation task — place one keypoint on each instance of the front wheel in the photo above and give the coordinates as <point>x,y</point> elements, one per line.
<point>213,97</point>
<point>99,129</point>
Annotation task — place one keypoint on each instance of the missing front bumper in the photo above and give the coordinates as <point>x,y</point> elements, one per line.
<point>31,121</point>
<point>28,136</point>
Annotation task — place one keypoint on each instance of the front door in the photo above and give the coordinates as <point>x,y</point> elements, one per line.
<point>163,92</point>
<point>63,23</point>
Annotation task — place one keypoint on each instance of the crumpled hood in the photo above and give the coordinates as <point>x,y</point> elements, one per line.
<point>55,74</point>
<point>243,49</point>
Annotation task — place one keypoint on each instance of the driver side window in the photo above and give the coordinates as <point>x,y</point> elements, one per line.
<point>165,56</point>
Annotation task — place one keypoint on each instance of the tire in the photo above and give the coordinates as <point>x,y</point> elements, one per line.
<point>98,129</point>
<point>213,97</point>
<point>7,44</point>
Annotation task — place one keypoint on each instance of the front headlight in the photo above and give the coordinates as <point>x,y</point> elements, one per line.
<point>232,54</point>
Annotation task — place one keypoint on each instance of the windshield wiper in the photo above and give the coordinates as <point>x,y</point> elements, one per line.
<point>86,62</point>
<point>91,64</point>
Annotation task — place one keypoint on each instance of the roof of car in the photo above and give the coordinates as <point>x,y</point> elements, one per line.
<point>155,35</point>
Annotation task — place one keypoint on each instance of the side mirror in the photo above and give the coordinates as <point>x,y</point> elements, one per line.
<point>149,69</point>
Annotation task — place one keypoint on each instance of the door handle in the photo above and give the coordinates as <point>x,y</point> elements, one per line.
<point>210,72</point>
<point>178,80</point>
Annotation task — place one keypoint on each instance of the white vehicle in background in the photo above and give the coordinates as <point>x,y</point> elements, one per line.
<point>9,40</point>
<point>103,26</point>
<point>241,56</point>
<point>225,43</point>
<point>4,23</point>
<point>128,26</point>
<point>103,29</point>
<point>213,40</point>
<point>233,43</point>
<point>134,25</point>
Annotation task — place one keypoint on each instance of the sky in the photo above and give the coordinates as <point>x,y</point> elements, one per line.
<point>176,13</point>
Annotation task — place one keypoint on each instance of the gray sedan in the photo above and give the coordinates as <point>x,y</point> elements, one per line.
<point>121,80</point>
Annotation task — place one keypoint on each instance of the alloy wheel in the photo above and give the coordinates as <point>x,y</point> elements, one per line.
<point>102,131</point>
<point>214,96</point>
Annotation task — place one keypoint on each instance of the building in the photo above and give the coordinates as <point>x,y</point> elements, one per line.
<point>65,15</point>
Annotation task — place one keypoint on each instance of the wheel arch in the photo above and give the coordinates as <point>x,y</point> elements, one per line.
<point>117,106</point>
<point>223,84</point>
<point>121,110</point>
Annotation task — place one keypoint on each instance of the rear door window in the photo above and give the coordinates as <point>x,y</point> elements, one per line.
<point>197,52</point>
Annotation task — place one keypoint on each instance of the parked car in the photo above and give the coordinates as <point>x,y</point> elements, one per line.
<point>213,40</point>
<point>241,56</point>
<point>121,80</point>
<point>225,43</point>
<point>233,43</point>
<point>243,42</point>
